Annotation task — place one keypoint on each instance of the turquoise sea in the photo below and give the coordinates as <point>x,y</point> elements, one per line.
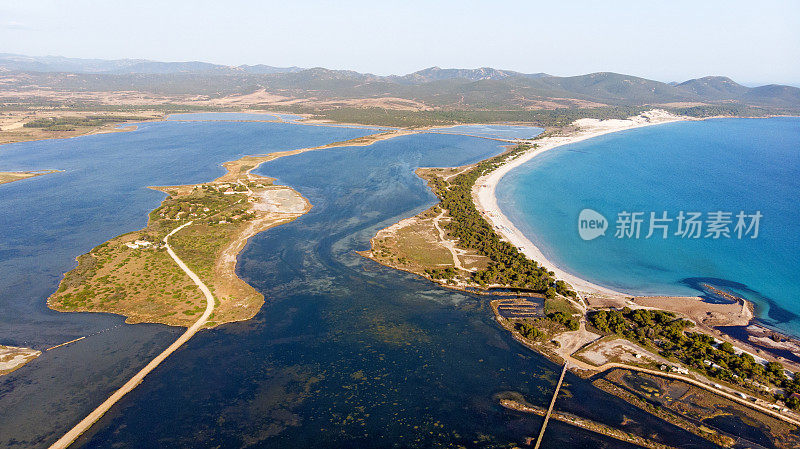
<point>728,165</point>
<point>346,353</point>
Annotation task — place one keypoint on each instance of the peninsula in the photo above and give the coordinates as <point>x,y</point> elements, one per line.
<point>465,242</point>
<point>11,176</point>
<point>133,274</point>
<point>13,358</point>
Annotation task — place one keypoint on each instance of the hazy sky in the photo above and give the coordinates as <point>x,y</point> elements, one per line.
<point>750,41</point>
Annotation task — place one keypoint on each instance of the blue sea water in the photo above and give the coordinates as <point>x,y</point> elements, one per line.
<point>728,165</point>
<point>345,352</point>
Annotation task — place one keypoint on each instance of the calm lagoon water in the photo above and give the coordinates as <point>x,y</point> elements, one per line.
<point>346,353</point>
<point>714,165</point>
<point>493,131</point>
<point>226,116</point>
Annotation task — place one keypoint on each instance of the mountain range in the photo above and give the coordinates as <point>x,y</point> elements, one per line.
<point>434,87</point>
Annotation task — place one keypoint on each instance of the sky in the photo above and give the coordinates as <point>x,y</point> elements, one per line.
<point>753,42</point>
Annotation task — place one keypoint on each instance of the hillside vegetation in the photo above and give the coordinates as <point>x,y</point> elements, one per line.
<point>431,89</point>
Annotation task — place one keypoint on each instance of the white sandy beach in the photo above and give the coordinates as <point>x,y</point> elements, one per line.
<point>485,200</point>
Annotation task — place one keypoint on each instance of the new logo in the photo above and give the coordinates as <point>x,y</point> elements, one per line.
<point>591,224</point>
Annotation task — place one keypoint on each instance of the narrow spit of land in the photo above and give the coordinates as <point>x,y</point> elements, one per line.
<point>134,381</point>
<point>132,274</point>
<point>29,125</point>
<point>465,242</point>
<point>13,358</point>
<point>587,424</point>
<point>11,176</point>
<point>238,181</point>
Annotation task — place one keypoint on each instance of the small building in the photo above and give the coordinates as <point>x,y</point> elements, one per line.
<point>679,370</point>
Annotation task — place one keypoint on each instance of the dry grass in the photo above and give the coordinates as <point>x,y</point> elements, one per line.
<point>143,284</point>
<point>411,245</point>
<point>13,358</point>
<point>11,176</point>
<point>12,123</point>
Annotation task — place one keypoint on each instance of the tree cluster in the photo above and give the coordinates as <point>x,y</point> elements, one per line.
<point>507,265</point>
<point>695,349</point>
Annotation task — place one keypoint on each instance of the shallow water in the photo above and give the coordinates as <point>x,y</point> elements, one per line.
<point>493,131</point>
<point>345,353</point>
<point>229,116</point>
<point>728,165</point>
<point>49,220</point>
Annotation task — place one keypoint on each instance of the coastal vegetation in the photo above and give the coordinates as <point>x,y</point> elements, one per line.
<point>668,334</point>
<point>508,266</point>
<point>132,274</point>
<point>549,118</point>
<point>482,259</point>
<point>545,327</point>
<point>425,118</point>
<point>43,119</point>
<point>73,123</point>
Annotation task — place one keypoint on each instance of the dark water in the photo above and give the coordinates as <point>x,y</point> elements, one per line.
<point>735,426</point>
<point>45,222</point>
<point>345,353</point>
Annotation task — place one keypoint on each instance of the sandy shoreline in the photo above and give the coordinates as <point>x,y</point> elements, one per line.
<point>486,201</point>
<point>708,316</point>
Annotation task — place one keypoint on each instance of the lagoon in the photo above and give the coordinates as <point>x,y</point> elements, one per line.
<point>345,353</point>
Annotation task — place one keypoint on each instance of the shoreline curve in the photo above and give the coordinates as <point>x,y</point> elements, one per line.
<point>485,199</point>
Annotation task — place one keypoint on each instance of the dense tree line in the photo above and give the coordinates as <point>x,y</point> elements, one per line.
<point>70,123</point>
<point>507,265</point>
<point>698,350</point>
<point>724,110</point>
<point>441,117</point>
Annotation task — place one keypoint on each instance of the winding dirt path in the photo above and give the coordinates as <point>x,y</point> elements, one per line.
<point>448,243</point>
<point>134,381</point>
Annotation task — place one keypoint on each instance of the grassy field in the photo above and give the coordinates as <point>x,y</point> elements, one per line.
<point>27,125</point>
<point>142,283</point>
<point>412,247</point>
<point>132,274</point>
